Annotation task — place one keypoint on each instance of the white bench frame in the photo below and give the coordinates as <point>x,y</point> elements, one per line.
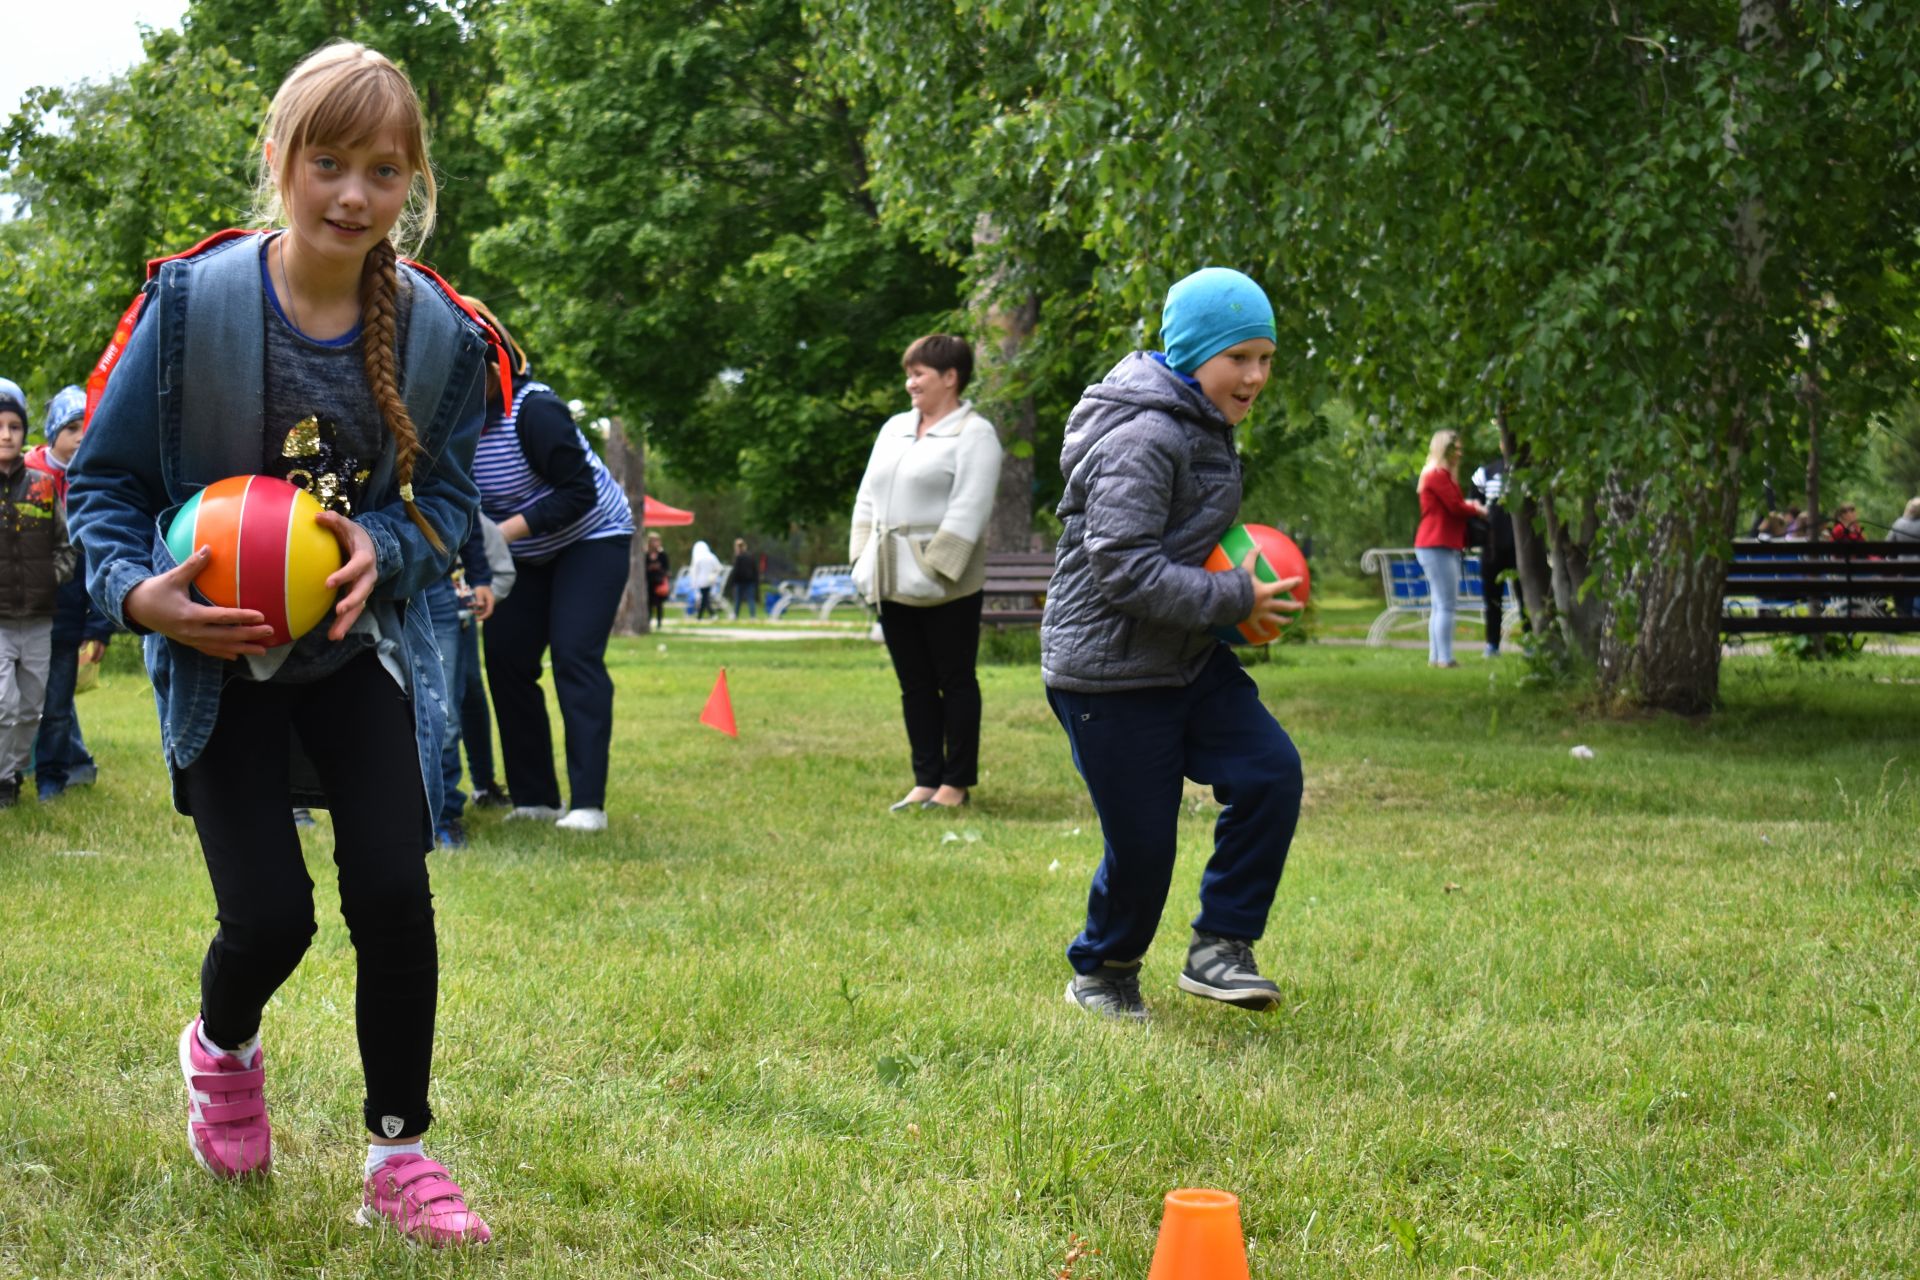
<point>793,589</point>
<point>1399,614</point>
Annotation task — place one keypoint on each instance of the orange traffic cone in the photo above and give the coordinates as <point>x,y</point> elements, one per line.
<point>1200,1238</point>
<point>718,713</point>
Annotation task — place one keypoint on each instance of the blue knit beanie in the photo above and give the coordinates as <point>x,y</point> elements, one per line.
<point>1209,311</point>
<point>68,407</point>
<point>12,397</point>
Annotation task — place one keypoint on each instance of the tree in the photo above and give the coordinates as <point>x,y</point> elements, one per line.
<point>105,176</point>
<point>689,227</point>
<point>1634,234</point>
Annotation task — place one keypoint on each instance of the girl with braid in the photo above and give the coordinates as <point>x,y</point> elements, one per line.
<point>308,352</point>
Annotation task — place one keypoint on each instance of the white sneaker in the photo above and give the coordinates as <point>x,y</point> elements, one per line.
<point>583,820</point>
<point>532,813</point>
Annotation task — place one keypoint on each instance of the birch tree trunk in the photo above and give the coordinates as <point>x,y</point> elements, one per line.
<point>1007,330</point>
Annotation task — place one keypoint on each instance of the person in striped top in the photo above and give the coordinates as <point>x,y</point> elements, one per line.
<point>569,526</point>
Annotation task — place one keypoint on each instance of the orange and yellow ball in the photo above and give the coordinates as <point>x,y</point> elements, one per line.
<point>267,551</point>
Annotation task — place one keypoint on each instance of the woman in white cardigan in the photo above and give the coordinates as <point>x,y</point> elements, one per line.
<point>919,553</point>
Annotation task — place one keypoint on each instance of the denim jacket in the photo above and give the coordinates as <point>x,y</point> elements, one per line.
<point>158,437</point>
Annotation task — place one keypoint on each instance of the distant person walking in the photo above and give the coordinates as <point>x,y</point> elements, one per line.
<point>703,571</point>
<point>919,552</point>
<point>744,582</point>
<point>1441,539</point>
<point>659,579</point>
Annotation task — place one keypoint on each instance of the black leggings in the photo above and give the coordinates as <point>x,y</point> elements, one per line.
<point>357,728</point>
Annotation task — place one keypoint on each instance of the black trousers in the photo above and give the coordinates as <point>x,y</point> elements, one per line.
<point>934,650</point>
<point>357,728</point>
<point>1497,557</point>
<point>565,606</point>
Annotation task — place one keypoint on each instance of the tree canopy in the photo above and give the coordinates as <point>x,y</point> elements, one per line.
<point>1661,252</point>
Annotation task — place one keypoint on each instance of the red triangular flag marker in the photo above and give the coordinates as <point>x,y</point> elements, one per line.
<point>718,713</point>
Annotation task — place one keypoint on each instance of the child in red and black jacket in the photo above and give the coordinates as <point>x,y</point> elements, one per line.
<point>35,558</point>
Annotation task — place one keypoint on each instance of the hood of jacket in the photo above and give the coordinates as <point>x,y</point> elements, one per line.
<point>1137,383</point>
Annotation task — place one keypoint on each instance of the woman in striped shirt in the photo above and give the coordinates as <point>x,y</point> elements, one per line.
<point>569,526</point>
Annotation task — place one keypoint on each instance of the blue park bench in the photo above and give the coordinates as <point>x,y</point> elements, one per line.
<point>1410,599</point>
<point>829,585</point>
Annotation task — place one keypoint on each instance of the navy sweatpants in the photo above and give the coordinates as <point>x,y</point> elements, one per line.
<point>1133,748</point>
<point>563,610</point>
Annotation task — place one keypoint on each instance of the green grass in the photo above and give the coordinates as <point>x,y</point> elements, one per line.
<point>1649,1015</point>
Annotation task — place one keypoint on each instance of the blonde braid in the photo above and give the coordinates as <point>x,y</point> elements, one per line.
<point>379,295</point>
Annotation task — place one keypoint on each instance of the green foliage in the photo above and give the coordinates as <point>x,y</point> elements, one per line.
<point>687,223</point>
<point>1657,240</point>
<point>1819,646</point>
<point>106,176</point>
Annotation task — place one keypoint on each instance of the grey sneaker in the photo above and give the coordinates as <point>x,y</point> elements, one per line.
<point>1113,992</point>
<point>1220,968</point>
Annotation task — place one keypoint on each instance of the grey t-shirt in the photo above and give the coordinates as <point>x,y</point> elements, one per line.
<point>324,433</point>
<point>324,428</point>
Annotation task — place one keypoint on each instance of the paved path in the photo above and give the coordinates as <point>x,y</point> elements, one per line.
<point>722,631</point>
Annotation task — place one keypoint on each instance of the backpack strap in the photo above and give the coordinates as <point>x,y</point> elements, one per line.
<point>503,359</point>
<point>123,331</point>
<point>223,364</point>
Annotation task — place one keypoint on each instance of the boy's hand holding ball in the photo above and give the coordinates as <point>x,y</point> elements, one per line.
<point>1280,580</point>
<point>1273,602</point>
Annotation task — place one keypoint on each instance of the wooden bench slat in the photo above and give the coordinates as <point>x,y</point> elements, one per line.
<point>1791,624</point>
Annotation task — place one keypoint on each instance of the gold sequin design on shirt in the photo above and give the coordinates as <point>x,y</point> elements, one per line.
<point>312,441</point>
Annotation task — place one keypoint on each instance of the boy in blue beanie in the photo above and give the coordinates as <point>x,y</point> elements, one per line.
<point>80,632</point>
<point>1145,693</point>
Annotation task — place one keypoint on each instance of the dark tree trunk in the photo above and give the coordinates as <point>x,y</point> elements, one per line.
<point>628,463</point>
<point>1570,555</point>
<point>1811,395</point>
<point>1529,551</point>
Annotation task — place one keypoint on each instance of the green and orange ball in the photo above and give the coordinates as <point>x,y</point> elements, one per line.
<point>267,550</point>
<point>1279,558</point>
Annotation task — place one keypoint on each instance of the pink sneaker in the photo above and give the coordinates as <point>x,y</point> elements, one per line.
<point>226,1109</point>
<point>415,1196</point>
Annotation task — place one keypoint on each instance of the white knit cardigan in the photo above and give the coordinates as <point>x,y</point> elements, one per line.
<point>920,520</point>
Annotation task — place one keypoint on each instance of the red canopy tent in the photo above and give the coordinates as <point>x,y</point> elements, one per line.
<point>658,513</point>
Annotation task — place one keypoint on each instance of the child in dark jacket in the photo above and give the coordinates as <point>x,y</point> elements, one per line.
<point>80,631</point>
<point>35,558</point>
<point>1146,694</point>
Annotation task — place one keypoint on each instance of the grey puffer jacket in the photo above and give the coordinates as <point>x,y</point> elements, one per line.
<point>1152,483</point>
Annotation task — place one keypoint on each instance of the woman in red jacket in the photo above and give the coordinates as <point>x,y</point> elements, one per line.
<point>1441,539</point>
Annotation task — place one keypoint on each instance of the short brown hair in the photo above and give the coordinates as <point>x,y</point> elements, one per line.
<point>941,352</point>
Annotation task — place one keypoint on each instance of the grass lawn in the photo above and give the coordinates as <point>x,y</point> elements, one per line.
<point>1652,1014</point>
